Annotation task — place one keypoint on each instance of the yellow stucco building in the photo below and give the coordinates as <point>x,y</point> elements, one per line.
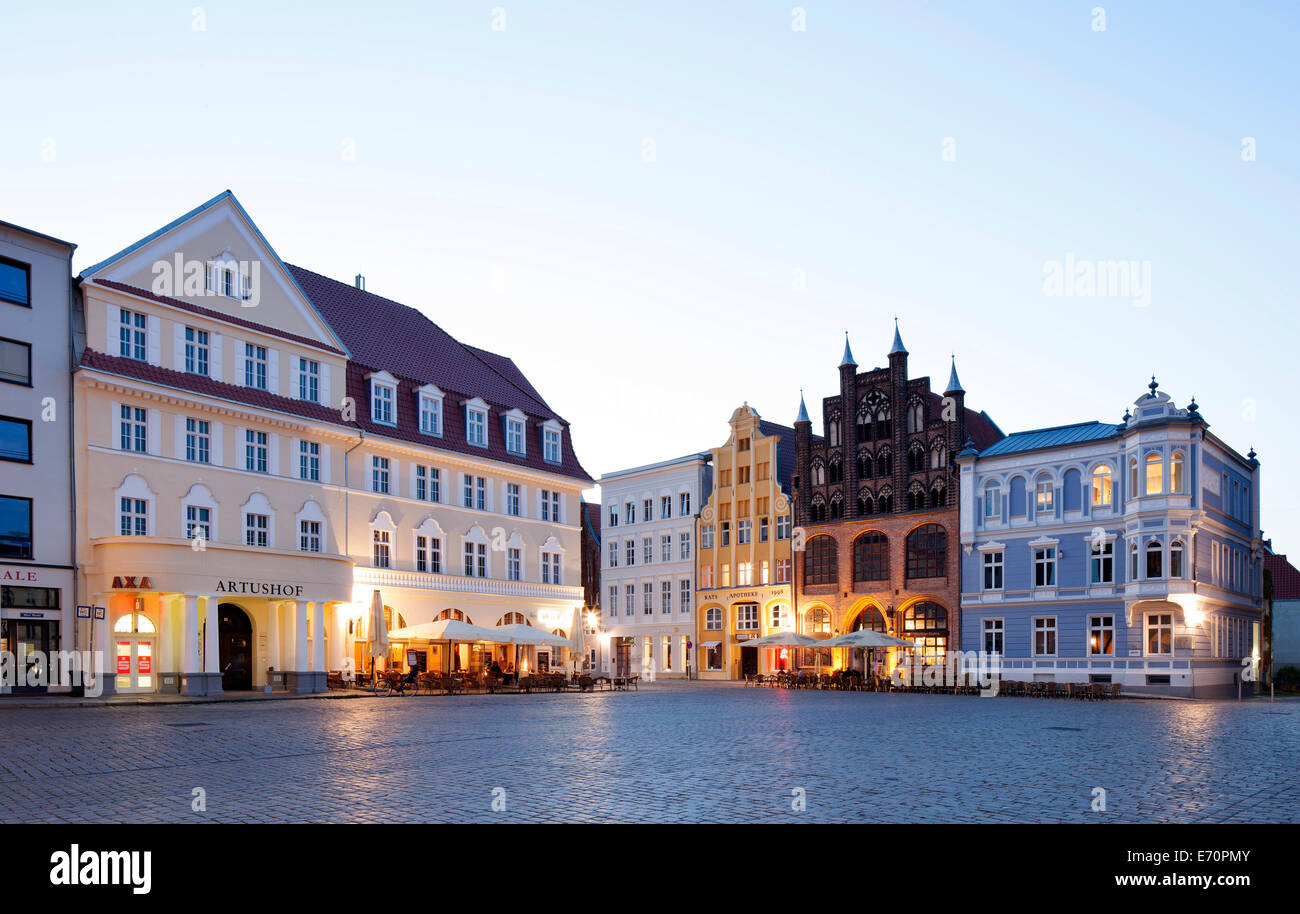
<point>744,558</point>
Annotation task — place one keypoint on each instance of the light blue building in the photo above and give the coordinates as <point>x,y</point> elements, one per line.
<point>1126,553</point>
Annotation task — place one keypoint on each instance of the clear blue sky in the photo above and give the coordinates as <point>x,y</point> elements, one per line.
<point>499,184</point>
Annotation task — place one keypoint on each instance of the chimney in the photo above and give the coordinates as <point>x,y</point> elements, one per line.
<point>361,282</point>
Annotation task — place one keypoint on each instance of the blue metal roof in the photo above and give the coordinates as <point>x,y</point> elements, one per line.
<point>1051,437</point>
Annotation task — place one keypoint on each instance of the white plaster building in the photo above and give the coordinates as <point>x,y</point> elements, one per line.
<point>648,565</point>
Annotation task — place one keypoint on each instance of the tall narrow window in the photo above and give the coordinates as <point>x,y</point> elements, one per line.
<point>1101,486</point>
<point>1155,474</point>
<point>255,361</point>
<point>198,441</point>
<point>1045,566</point>
<point>133,335</point>
<point>1102,563</point>
<point>309,460</point>
<point>1155,556</point>
<point>309,380</point>
<point>1176,473</point>
<point>196,351</point>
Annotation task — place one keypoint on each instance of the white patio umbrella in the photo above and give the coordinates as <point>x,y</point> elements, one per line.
<point>449,630</point>
<point>783,639</point>
<point>577,640</point>
<point>378,629</point>
<point>519,634</point>
<point>865,637</point>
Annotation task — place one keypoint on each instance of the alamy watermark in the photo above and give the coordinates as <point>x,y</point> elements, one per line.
<point>1073,278</point>
<point>39,669</point>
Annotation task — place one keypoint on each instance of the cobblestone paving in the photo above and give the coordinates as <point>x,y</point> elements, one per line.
<point>682,752</point>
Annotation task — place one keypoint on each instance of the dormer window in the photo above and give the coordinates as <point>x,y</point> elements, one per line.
<point>515,424</point>
<point>383,398</point>
<point>551,439</point>
<point>225,275</point>
<point>476,420</point>
<point>429,404</point>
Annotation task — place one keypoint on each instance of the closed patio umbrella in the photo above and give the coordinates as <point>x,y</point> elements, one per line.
<point>577,640</point>
<point>378,630</point>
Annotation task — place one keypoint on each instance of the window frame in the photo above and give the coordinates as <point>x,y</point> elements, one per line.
<point>30,551</point>
<point>26,346</point>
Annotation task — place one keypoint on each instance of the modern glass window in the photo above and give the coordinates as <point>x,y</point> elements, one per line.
<point>132,335</point>
<point>820,561</point>
<point>256,451</point>
<point>993,632</point>
<point>1160,633</point>
<point>15,440</point>
<point>515,436</point>
<point>551,446</point>
<point>1102,563</point>
<point>430,415</point>
<point>257,530</point>
<point>993,565</point>
<point>198,522</point>
<point>1045,566</point>
<point>16,526</point>
<point>255,361</point>
<point>15,362</point>
<point>512,498</point>
<point>15,282</point>
<point>476,427</point>
<point>1101,486</point>
<point>1044,636</point>
<point>197,351</point>
<point>1101,636</point>
<point>309,536</point>
<point>133,514</point>
<point>871,557</point>
<point>198,441</point>
<point>309,460</point>
<point>309,380</point>
<point>382,400</point>
<point>927,552</point>
<point>134,427</point>
<point>381,549</point>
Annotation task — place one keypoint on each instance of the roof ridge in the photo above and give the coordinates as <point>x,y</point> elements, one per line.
<point>1057,428</point>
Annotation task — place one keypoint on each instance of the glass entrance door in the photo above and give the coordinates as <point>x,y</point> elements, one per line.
<point>134,664</point>
<point>31,642</point>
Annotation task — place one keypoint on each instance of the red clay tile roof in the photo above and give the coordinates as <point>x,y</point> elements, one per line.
<point>591,512</point>
<point>216,315</point>
<point>1286,578</point>
<point>384,335</point>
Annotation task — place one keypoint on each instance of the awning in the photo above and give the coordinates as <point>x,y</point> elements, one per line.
<point>710,644</point>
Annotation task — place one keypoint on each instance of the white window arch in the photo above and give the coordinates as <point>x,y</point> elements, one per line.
<point>476,551</point>
<point>383,541</point>
<point>311,528</point>
<point>551,559</point>
<point>428,547</point>
<point>134,505</point>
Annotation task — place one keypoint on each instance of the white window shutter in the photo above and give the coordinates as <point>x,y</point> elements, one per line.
<point>295,458</point>
<point>217,454</point>
<point>153,435</point>
<point>325,463</point>
<point>325,384</point>
<point>115,427</point>
<point>273,370</point>
<point>114,319</point>
<point>179,442</point>
<point>215,369</point>
<point>178,350</point>
<point>240,461</point>
<point>273,444</point>
<point>395,476</point>
<point>153,325</point>
<point>237,356</point>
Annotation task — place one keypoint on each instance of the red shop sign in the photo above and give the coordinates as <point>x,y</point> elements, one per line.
<point>142,663</point>
<point>123,657</point>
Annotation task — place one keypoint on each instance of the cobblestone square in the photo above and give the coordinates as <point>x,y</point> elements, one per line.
<point>673,752</point>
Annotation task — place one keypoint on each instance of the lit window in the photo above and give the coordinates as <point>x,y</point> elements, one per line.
<point>1155,474</point>
<point>1101,486</point>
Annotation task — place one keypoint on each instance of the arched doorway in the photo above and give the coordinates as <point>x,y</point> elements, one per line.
<point>235,648</point>
<point>868,660</point>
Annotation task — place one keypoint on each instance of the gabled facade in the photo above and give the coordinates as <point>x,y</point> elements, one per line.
<point>744,535</point>
<point>255,458</point>
<point>1126,553</point>
<point>648,567</point>
<point>876,498</point>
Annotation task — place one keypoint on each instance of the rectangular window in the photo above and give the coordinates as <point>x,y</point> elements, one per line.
<point>134,513</point>
<point>257,530</point>
<point>629,599</point>
<point>15,440</point>
<point>430,415</point>
<point>747,617</point>
<point>762,529</point>
<point>256,452</point>
<point>512,499</point>
<point>629,511</point>
<point>551,450</point>
<point>783,527</point>
<point>381,553</point>
<point>630,552</point>
<point>744,574</point>
<point>134,429</point>
<point>554,561</point>
<point>309,460</point>
<point>685,508</point>
<point>382,398</point>
<point>15,362</point>
<point>132,335</point>
<point>309,380</point>
<point>422,554</point>
<point>666,547</point>
<point>435,484</point>
<point>684,546</point>
<point>1044,636</point>
<point>724,529</point>
<point>1160,633</point>
<point>993,636</point>
<point>993,570</point>
<point>764,575</point>
<point>514,436</point>
<point>198,441</point>
<point>514,564</point>
<point>647,509</point>
<point>379,474</point>
<point>255,366</point>
<point>15,282</point>
<point>783,571</point>
<point>1102,563</point>
<point>198,522</point>
<point>1045,567</point>
<point>551,506</point>
<point>1101,636</point>
<point>666,596</point>
<point>613,517</point>
<point>309,536</point>
<point>613,601</point>
<point>613,555</point>
<point>684,596</point>
<point>726,574</point>
<point>1043,497</point>
<point>744,532</point>
<point>196,351</point>
<point>706,536</point>
<point>666,506</point>
<point>476,427</point>
<point>647,550</point>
